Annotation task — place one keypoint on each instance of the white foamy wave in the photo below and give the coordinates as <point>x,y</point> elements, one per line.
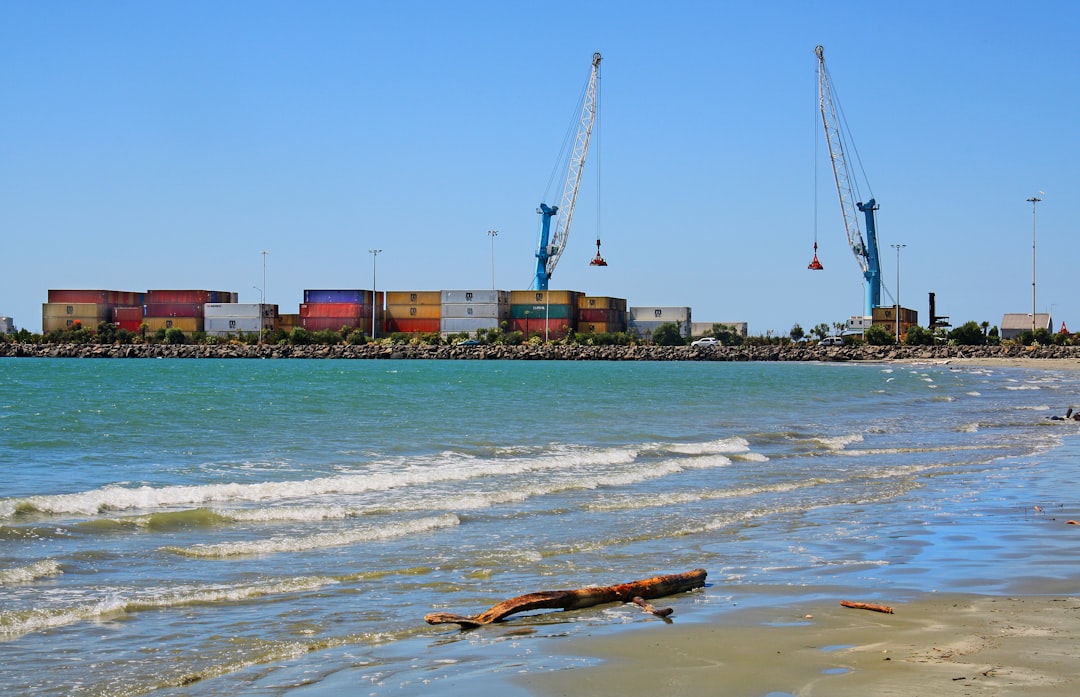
<point>279,545</point>
<point>380,477</point>
<point>969,428</point>
<point>18,623</point>
<point>724,445</point>
<point>839,442</point>
<point>973,394</point>
<point>1022,387</point>
<point>25,574</point>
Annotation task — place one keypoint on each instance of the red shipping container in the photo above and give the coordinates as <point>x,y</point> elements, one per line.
<point>556,328</point>
<point>128,314</point>
<point>596,315</point>
<point>344,310</point>
<point>409,326</point>
<point>176,309</point>
<point>186,296</point>
<point>132,325</point>
<point>318,324</point>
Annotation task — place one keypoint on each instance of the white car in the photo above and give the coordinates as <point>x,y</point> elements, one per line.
<point>832,341</point>
<point>705,342</point>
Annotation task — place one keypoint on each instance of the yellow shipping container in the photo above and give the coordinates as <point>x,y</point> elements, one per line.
<point>414,311</point>
<point>287,322</point>
<point>51,324</point>
<point>591,302</point>
<point>601,327</point>
<point>548,297</point>
<point>184,324</point>
<point>95,312</point>
<point>413,297</point>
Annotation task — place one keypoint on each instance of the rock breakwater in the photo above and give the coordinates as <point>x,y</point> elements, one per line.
<point>572,352</point>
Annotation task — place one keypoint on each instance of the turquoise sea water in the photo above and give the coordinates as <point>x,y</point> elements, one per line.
<point>203,527</point>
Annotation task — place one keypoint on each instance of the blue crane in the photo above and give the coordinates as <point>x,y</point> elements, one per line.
<point>866,253</point>
<point>551,243</point>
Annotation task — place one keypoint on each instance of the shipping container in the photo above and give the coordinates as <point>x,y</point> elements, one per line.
<point>600,328</point>
<point>552,329</point>
<point>343,309</point>
<point>457,325</point>
<point>127,314</point>
<point>552,297</point>
<point>244,310</point>
<point>154,297</point>
<point>413,311</point>
<point>230,326</point>
<point>103,297</point>
<point>85,311</point>
<point>590,302</point>
<point>173,309</point>
<point>357,297</point>
<point>287,322</point>
<point>316,324</point>
<point>564,312</point>
<point>645,329</point>
<point>184,324</point>
<point>660,314</point>
<point>598,315</point>
<point>131,325</point>
<point>413,297</point>
<point>410,326</point>
<point>486,310</point>
<point>490,297</point>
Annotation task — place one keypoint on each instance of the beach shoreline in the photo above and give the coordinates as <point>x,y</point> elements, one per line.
<point>934,644</point>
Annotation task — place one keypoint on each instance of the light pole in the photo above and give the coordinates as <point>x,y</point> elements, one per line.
<point>374,255</point>
<point>262,301</point>
<point>1033,200</point>
<point>898,247</point>
<point>493,234</point>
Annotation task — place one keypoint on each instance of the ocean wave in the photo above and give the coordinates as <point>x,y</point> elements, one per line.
<point>19,622</point>
<point>721,446</point>
<point>25,574</point>
<point>278,545</point>
<point>838,442</point>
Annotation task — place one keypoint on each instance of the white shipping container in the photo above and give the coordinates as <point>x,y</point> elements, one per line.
<point>660,314</point>
<point>229,326</point>
<point>642,328</point>
<point>477,310</point>
<point>456,325</point>
<point>239,310</point>
<point>491,297</point>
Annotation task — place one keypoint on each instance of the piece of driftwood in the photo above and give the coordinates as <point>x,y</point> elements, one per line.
<point>655,587</point>
<point>867,606</point>
<point>659,612</point>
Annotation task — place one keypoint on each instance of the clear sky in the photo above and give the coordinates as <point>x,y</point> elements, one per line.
<point>158,145</point>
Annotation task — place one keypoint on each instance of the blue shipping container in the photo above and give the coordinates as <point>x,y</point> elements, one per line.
<point>362,297</point>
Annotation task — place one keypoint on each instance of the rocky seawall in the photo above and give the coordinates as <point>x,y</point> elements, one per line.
<point>545,352</point>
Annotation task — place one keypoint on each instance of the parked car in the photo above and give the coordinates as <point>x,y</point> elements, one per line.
<point>468,342</point>
<point>705,342</point>
<point>832,341</point>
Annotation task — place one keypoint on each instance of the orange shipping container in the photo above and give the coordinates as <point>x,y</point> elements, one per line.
<point>184,324</point>
<point>550,297</point>
<point>414,311</point>
<point>410,326</point>
<point>413,297</point>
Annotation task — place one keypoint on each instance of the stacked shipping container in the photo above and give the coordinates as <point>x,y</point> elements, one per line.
<point>180,309</point>
<point>468,311</point>
<point>599,315</point>
<point>337,309</point>
<point>645,320</point>
<point>551,313</point>
<point>87,308</point>
<point>418,311</point>
<point>230,319</point>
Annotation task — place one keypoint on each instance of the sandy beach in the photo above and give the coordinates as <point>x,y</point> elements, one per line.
<point>939,645</point>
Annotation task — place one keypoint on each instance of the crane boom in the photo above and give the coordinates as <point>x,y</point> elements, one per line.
<point>552,243</point>
<point>866,253</point>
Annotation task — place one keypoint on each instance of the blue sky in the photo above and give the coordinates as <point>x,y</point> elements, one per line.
<point>148,145</point>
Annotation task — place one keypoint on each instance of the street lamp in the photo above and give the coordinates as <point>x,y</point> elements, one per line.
<point>262,301</point>
<point>493,234</point>
<point>374,255</point>
<point>1033,200</point>
<point>898,247</point>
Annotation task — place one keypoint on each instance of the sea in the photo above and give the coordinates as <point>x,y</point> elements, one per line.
<point>194,527</point>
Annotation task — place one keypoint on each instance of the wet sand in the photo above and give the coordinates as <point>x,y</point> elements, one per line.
<point>936,645</point>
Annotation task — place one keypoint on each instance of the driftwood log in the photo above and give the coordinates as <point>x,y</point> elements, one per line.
<point>655,587</point>
<point>867,606</point>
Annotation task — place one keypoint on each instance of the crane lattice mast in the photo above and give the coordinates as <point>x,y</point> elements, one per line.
<point>866,254</point>
<point>552,243</point>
